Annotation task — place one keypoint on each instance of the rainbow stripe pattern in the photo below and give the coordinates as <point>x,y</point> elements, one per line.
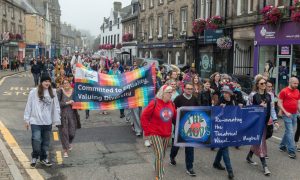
<point>142,94</point>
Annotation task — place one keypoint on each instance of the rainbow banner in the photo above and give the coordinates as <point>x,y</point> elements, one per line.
<point>97,91</point>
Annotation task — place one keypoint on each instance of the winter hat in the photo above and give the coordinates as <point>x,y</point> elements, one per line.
<point>227,89</point>
<point>45,77</point>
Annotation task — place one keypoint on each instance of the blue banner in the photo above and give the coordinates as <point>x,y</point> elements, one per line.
<point>219,126</point>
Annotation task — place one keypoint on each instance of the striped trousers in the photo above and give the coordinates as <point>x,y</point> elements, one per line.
<point>159,145</point>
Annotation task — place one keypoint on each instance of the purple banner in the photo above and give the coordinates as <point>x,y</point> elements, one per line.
<point>286,33</point>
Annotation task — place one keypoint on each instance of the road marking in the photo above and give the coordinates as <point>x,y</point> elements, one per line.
<point>59,157</point>
<point>14,88</point>
<point>7,93</point>
<point>276,138</point>
<point>12,143</point>
<point>2,80</point>
<point>55,136</point>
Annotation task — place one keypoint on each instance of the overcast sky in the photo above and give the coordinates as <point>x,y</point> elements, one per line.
<point>87,14</point>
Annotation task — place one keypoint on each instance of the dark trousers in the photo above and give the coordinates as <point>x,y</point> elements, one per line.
<point>223,152</point>
<point>40,140</point>
<point>189,155</point>
<point>122,111</point>
<point>297,133</point>
<point>36,78</point>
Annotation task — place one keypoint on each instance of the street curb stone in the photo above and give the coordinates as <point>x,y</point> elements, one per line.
<point>10,162</point>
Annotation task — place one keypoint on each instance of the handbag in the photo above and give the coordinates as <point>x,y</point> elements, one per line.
<point>77,116</point>
<point>269,132</point>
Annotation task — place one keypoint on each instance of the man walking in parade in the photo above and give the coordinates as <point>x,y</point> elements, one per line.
<point>185,99</point>
<point>289,100</point>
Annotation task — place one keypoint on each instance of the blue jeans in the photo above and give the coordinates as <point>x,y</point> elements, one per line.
<point>225,153</point>
<point>288,137</point>
<point>189,155</point>
<point>40,140</point>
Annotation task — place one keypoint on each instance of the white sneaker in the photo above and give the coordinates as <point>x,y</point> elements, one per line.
<point>267,171</point>
<point>147,143</point>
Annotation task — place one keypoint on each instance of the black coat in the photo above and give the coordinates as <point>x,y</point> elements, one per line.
<point>35,69</point>
<point>204,98</point>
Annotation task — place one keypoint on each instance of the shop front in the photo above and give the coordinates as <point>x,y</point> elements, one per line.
<point>277,53</point>
<point>212,58</point>
<point>172,52</point>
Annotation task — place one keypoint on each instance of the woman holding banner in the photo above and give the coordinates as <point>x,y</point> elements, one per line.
<point>156,121</point>
<point>263,98</point>
<point>226,99</point>
<point>69,117</point>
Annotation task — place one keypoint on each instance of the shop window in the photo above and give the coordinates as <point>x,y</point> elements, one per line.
<point>296,61</point>
<point>267,60</point>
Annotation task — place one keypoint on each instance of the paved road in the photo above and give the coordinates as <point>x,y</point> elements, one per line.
<point>106,148</point>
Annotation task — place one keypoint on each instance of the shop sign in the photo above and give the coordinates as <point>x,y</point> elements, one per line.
<point>285,50</point>
<point>30,46</point>
<point>206,63</point>
<point>289,32</point>
<point>211,36</point>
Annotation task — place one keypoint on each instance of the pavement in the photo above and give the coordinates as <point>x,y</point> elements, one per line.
<point>105,148</point>
<point>8,166</point>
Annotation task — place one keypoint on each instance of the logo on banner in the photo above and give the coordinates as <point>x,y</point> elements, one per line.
<point>195,126</point>
<point>86,74</point>
<point>166,114</point>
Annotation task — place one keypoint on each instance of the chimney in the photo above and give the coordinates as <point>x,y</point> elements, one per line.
<point>117,6</point>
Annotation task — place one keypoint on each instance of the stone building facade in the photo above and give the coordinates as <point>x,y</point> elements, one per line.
<point>70,40</point>
<point>165,29</point>
<point>129,50</point>
<point>12,21</point>
<point>54,18</point>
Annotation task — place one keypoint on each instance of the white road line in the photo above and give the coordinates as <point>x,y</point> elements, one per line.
<point>276,138</point>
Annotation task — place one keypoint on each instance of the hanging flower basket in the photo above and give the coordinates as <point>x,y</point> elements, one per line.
<point>12,36</point>
<point>224,42</point>
<point>19,37</point>
<point>214,22</point>
<point>295,16</point>
<point>198,26</point>
<point>127,37</point>
<point>119,46</point>
<point>271,15</point>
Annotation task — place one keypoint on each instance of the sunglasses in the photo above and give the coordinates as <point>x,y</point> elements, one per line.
<point>189,88</point>
<point>264,83</point>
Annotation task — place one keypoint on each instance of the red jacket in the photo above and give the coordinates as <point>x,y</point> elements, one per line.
<point>157,118</point>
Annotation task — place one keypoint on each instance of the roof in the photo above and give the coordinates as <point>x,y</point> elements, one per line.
<point>25,5</point>
<point>124,13</point>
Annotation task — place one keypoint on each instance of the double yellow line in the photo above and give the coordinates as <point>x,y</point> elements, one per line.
<point>59,158</point>
<point>12,143</point>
